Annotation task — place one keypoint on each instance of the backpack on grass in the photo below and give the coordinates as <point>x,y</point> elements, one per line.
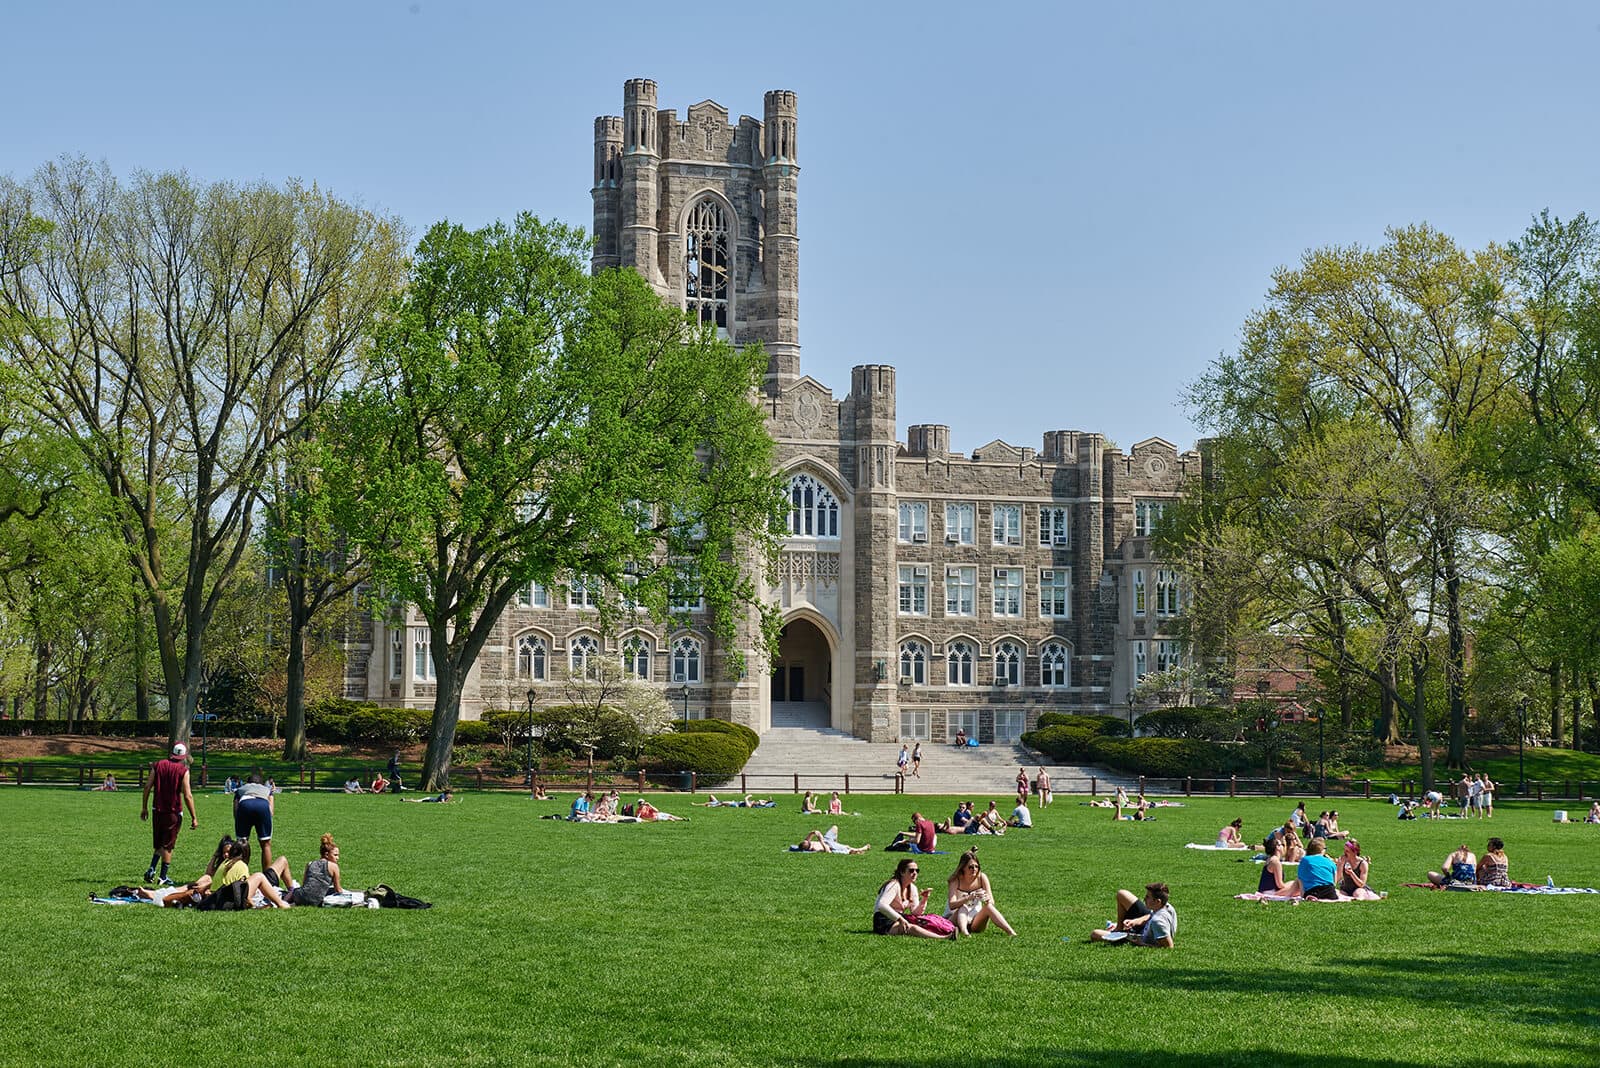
<point>388,899</point>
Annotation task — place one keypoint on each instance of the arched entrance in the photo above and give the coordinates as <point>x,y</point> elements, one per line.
<point>802,676</point>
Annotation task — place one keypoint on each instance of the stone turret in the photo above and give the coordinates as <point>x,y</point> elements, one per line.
<point>607,190</point>
<point>640,162</point>
<point>872,416</point>
<point>779,329</point>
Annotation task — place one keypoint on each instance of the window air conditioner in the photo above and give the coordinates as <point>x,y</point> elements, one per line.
<point>919,538</point>
<point>1014,540</point>
<point>952,538</point>
<point>1061,539</point>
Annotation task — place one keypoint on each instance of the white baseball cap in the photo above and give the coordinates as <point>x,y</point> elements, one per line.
<point>180,750</point>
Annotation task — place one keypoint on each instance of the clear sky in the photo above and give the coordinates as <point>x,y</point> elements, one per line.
<point>1046,216</point>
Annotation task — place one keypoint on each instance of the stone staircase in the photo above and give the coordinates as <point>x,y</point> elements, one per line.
<point>822,757</point>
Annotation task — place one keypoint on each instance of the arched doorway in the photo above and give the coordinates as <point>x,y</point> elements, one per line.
<point>802,676</point>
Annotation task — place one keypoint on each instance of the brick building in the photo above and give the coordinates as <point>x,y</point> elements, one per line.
<point>922,590</point>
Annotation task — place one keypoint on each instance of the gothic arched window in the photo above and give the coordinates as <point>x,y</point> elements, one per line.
<point>813,509</point>
<point>914,663</point>
<point>1008,664</point>
<point>636,658</point>
<point>706,263</point>
<point>958,664</point>
<point>583,649</point>
<point>1055,665</point>
<point>686,660</point>
<point>531,657</point>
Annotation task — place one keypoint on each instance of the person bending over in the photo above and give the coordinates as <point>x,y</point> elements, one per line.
<point>1231,836</point>
<point>826,842</point>
<point>253,809</point>
<point>1459,869</point>
<point>970,905</point>
<point>1151,922</point>
<point>900,902</point>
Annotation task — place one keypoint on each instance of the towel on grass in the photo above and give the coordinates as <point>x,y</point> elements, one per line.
<point>1340,900</point>
<point>1214,848</point>
<point>1515,888</point>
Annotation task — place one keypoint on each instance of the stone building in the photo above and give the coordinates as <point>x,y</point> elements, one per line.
<point>922,591</point>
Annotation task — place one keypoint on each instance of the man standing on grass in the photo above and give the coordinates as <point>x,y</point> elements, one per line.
<point>169,779</point>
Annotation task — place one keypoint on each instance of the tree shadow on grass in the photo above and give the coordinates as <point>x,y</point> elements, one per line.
<point>1122,1058</point>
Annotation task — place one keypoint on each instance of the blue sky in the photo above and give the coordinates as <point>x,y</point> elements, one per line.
<point>1047,216</point>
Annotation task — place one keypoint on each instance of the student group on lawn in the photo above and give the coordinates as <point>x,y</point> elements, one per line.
<point>1330,865</point>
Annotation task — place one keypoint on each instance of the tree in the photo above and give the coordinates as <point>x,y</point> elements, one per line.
<point>527,422</point>
<point>167,328</point>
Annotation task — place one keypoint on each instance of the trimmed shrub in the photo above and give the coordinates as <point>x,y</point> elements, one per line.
<point>714,756</point>
<point>1200,721</point>
<point>372,723</point>
<point>1061,742</point>
<point>1164,758</point>
<point>1110,726</point>
<point>476,732</point>
<point>747,737</point>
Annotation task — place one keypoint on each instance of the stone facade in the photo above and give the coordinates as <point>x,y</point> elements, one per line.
<point>923,591</point>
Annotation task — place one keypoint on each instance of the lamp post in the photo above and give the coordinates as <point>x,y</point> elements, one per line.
<point>1130,714</point>
<point>683,692</point>
<point>1522,736</point>
<point>1322,775</point>
<point>528,779</point>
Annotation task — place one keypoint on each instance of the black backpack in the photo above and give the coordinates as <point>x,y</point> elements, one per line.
<point>388,899</point>
<point>235,897</point>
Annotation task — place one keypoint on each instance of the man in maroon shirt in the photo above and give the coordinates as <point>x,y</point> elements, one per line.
<point>169,779</point>
<point>920,838</point>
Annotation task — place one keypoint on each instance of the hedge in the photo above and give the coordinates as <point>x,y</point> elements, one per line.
<point>1060,742</point>
<point>1165,758</point>
<point>1111,726</point>
<point>133,728</point>
<point>1199,721</point>
<point>476,732</point>
<point>749,738</point>
<point>714,756</point>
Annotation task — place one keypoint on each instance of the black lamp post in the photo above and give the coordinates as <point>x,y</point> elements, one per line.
<point>1522,736</point>
<point>1130,715</point>
<point>528,779</point>
<point>683,692</point>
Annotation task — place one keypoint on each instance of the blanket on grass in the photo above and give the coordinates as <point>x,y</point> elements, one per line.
<point>1214,848</point>
<point>1514,888</point>
<point>1340,900</point>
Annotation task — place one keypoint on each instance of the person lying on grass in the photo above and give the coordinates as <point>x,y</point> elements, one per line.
<point>826,842</point>
<point>746,802</point>
<point>901,904</point>
<point>1459,869</point>
<point>444,797</point>
<point>233,868</point>
<point>1493,868</point>
<point>645,812</point>
<point>970,905</point>
<point>1231,836</point>
<point>1151,922</point>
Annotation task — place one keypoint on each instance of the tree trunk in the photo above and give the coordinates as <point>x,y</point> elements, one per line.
<point>1419,680</point>
<point>1594,715</point>
<point>1388,732</point>
<point>442,730</point>
<point>41,679</point>
<point>141,665</point>
<point>294,698</point>
<point>1455,667</point>
<point>1558,678</point>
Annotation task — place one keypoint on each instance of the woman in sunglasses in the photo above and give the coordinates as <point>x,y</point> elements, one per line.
<point>901,904</point>
<point>971,902</point>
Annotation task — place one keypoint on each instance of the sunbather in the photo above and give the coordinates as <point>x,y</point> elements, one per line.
<point>826,842</point>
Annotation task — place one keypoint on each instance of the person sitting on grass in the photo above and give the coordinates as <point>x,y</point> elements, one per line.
<point>1141,808</point>
<point>109,783</point>
<point>900,902</point>
<point>379,783</point>
<point>920,837</point>
<point>826,842</point>
<point>581,804</point>
<point>991,822</point>
<point>835,806</point>
<point>1317,873</point>
<point>321,877</point>
<point>970,905</point>
<point>443,797</point>
<point>538,793</point>
<point>1459,869</point>
<point>1298,819</point>
<point>808,805</point>
<point>1493,868</point>
<point>1231,836</point>
<point>1594,813</point>
<point>1408,810</point>
<point>1291,847</point>
<point>1335,832</point>
<point>1020,816</point>
<point>1353,871</point>
<point>1153,920</point>
<point>1271,881</point>
<point>353,786</point>
<point>233,868</point>
<point>959,820</point>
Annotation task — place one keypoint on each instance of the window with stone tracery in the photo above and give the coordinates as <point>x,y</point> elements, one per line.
<point>707,263</point>
<point>813,509</point>
<point>531,652</point>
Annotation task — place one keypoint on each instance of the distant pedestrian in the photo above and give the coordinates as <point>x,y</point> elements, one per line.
<point>169,781</point>
<point>916,760</point>
<point>903,759</point>
<point>1041,783</point>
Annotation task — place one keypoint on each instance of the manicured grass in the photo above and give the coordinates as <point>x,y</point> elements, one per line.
<point>705,943</point>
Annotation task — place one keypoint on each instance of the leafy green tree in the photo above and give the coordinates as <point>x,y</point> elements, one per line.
<point>166,328</point>
<point>527,422</point>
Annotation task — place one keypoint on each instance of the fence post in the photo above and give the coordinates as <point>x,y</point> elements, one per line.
<point>744,787</point>
<point>1567,792</point>
<point>1538,785</point>
<point>641,780</point>
<point>1141,784</point>
<point>80,778</point>
<point>1233,786</point>
<point>1280,785</point>
<point>1188,786</point>
<point>847,785</point>
<point>797,782</point>
<point>694,782</point>
<point>302,774</point>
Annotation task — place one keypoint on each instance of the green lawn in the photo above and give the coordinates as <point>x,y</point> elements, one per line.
<point>705,943</point>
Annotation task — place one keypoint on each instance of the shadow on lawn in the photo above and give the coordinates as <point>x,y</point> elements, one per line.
<point>1100,1058</point>
<point>1544,988</point>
